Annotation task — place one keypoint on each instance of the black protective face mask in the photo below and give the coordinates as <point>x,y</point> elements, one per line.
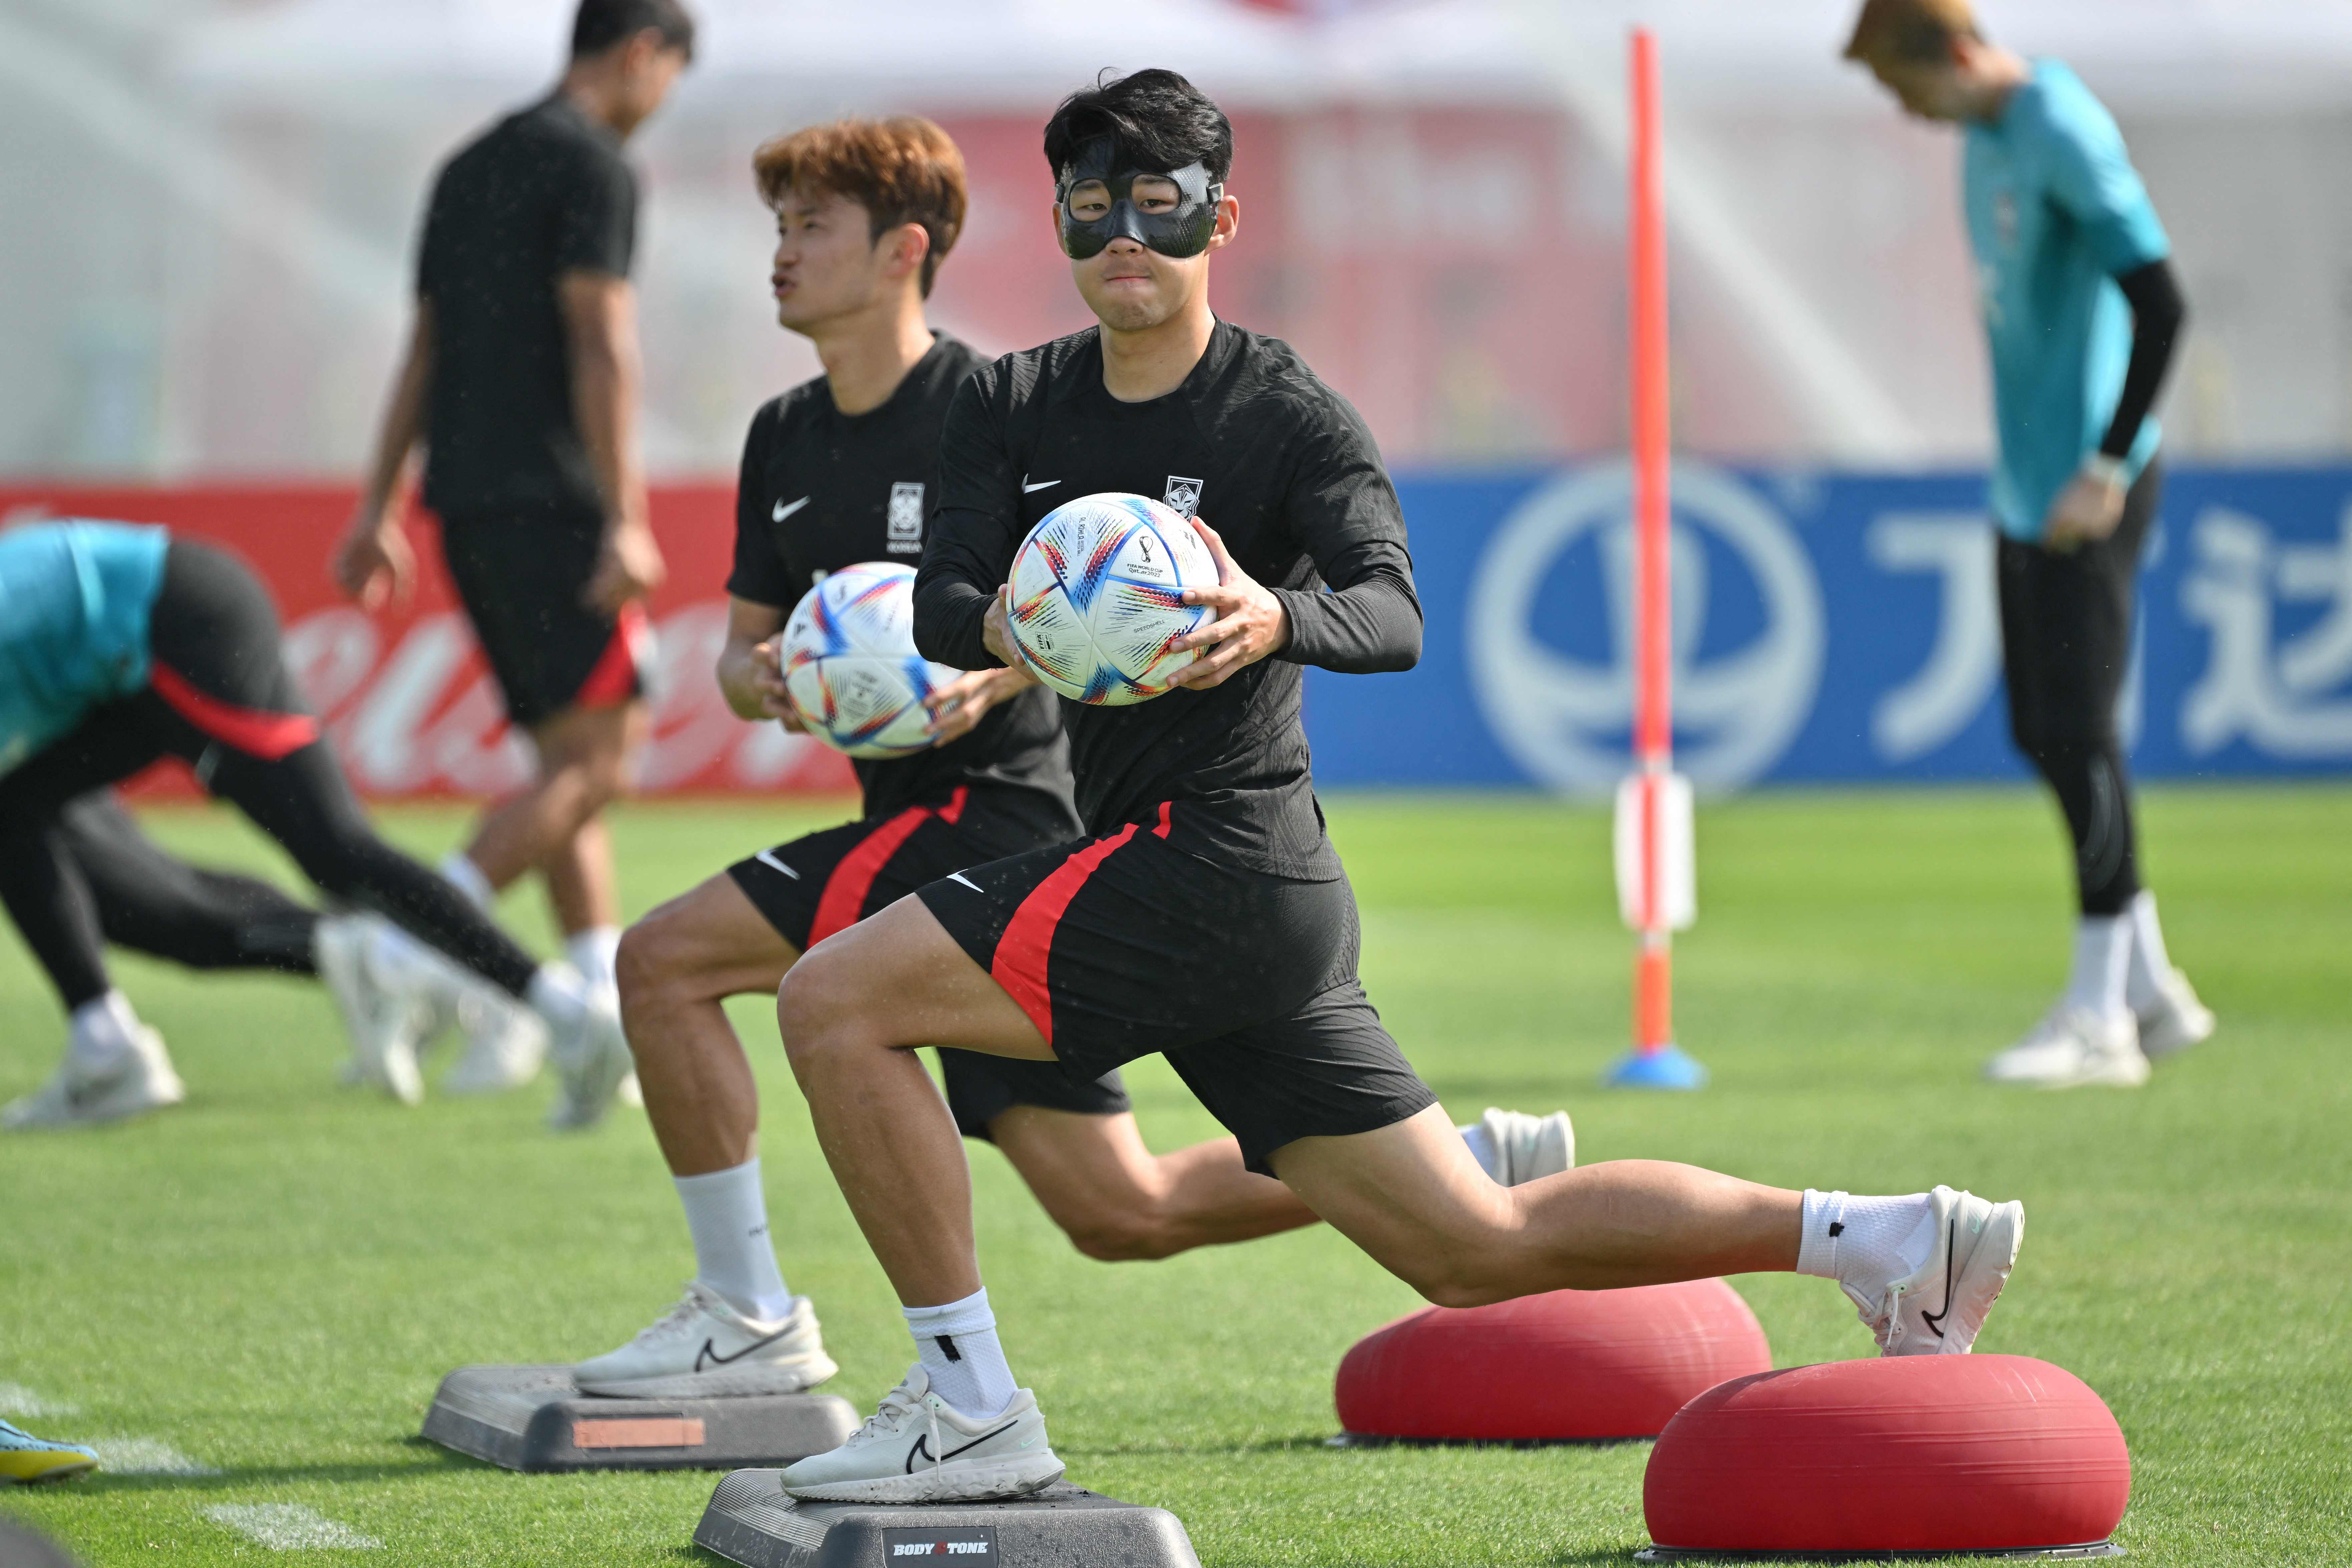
<point>1182,232</point>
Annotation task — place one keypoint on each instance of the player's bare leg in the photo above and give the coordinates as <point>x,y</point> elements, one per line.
<point>1119,1202</point>
<point>584,757</point>
<point>851,1013</point>
<point>1412,1198</point>
<point>677,966</point>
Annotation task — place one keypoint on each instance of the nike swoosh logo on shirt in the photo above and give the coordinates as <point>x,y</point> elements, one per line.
<point>1934,1320</point>
<point>768,857</point>
<point>959,876</point>
<point>784,511</point>
<point>709,1355</point>
<point>1041,485</point>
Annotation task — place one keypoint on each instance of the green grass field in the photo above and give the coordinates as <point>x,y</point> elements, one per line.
<point>266,1283</point>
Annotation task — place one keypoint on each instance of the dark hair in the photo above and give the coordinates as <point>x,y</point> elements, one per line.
<point>1159,119</point>
<point>902,170</point>
<point>600,24</point>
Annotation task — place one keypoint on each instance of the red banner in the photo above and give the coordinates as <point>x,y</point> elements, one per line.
<point>407,701</point>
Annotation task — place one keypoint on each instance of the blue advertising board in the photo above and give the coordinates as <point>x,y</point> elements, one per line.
<point>1836,627</point>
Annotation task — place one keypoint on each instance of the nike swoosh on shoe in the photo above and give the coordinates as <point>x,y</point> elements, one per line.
<point>710,1350</point>
<point>1934,1320</point>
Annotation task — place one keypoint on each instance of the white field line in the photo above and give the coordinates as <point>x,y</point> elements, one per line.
<point>145,1457</point>
<point>289,1527</point>
<point>15,1399</point>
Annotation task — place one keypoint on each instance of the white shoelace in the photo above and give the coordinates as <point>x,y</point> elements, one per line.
<point>687,1308</point>
<point>901,1401</point>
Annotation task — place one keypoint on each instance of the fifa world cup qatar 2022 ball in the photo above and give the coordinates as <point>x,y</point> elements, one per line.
<point>1099,595</point>
<point>850,665</point>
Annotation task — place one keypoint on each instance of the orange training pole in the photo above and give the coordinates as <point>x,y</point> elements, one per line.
<point>1654,795</point>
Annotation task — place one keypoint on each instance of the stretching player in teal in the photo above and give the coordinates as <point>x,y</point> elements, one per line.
<point>2082,312</point>
<point>119,645</point>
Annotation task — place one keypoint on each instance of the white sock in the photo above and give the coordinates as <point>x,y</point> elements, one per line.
<point>1483,1149</point>
<point>727,1213</point>
<point>101,1030</point>
<point>1865,1242</point>
<point>557,994</point>
<point>958,1346</point>
<point>2150,965</point>
<point>2102,947</point>
<point>466,877</point>
<point>594,953</point>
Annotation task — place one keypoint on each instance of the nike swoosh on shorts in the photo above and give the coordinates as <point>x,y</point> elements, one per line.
<point>1041,485</point>
<point>784,511</point>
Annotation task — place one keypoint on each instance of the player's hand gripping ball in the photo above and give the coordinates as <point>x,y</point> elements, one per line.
<point>1096,597</point>
<point>850,665</point>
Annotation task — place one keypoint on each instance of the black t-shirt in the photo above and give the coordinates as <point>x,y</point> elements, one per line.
<point>1286,472</point>
<point>820,490</point>
<point>542,193</point>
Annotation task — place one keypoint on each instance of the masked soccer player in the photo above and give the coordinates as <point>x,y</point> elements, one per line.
<point>521,382</point>
<point>839,470</point>
<point>119,645</point>
<point>1204,915</point>
<point>2082,312</point>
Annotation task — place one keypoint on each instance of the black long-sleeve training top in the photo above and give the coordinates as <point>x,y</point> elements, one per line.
<point>1286,472</point>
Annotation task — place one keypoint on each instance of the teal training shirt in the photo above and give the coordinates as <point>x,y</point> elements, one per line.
<point>2056,213</point>
<point>75,598</point>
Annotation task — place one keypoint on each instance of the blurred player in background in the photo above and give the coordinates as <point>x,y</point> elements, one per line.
<point>1204,915</point>
<point>120,645</point>
<point>389,988</point>
<point>521,382</point>
<point>2082,314</point>
<point>840,470</point>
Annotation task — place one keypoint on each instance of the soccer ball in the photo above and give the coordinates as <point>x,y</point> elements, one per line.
<point>850,664</point>
<point>1098,595</point>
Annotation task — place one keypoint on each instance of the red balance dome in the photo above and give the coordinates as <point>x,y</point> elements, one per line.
<point>1978,1453</point>
<point>1569,1364</point>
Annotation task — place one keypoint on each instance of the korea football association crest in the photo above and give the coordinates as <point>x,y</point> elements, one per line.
<point>905,531</point>
<point>1183,495</point>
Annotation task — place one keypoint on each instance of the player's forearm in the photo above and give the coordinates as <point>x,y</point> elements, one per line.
<point>1371,626</point>
<point>403,417</point>
<point>607,375</point>
<point>952,590</point>
<point>2157,313</point>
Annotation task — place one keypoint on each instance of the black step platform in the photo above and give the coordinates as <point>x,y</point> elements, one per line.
<point>532,1418</point>
<point>751,1522</point>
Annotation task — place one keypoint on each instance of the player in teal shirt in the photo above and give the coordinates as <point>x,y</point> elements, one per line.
<point>2081,312</point>
<point>74,598</point>
<point>119,645</point>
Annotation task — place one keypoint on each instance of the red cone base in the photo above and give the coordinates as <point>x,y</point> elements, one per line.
<point>1567,1366</point>
<point>1931,1454</point>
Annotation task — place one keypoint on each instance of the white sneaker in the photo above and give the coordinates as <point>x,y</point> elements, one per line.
<point>1976,1247</point>
<point>2072,1047</point>
<point>1528,1146</point>
<point>2175,1021</point>
<point>506,1042</point>
<point>919,1448</point>
<point>591,1056</point>
<point>384,1018</point>
<point>703,1347</point>
<point>86,1092</point>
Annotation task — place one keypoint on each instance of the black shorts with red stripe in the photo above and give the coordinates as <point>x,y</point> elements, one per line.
<point>814,886</point>
<point>1124,945</point>
<point>521,581</point>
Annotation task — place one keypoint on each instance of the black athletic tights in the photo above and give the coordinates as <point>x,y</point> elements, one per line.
<point>2066,633</point>
<point>220,699</point>
<point>154,902</point>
